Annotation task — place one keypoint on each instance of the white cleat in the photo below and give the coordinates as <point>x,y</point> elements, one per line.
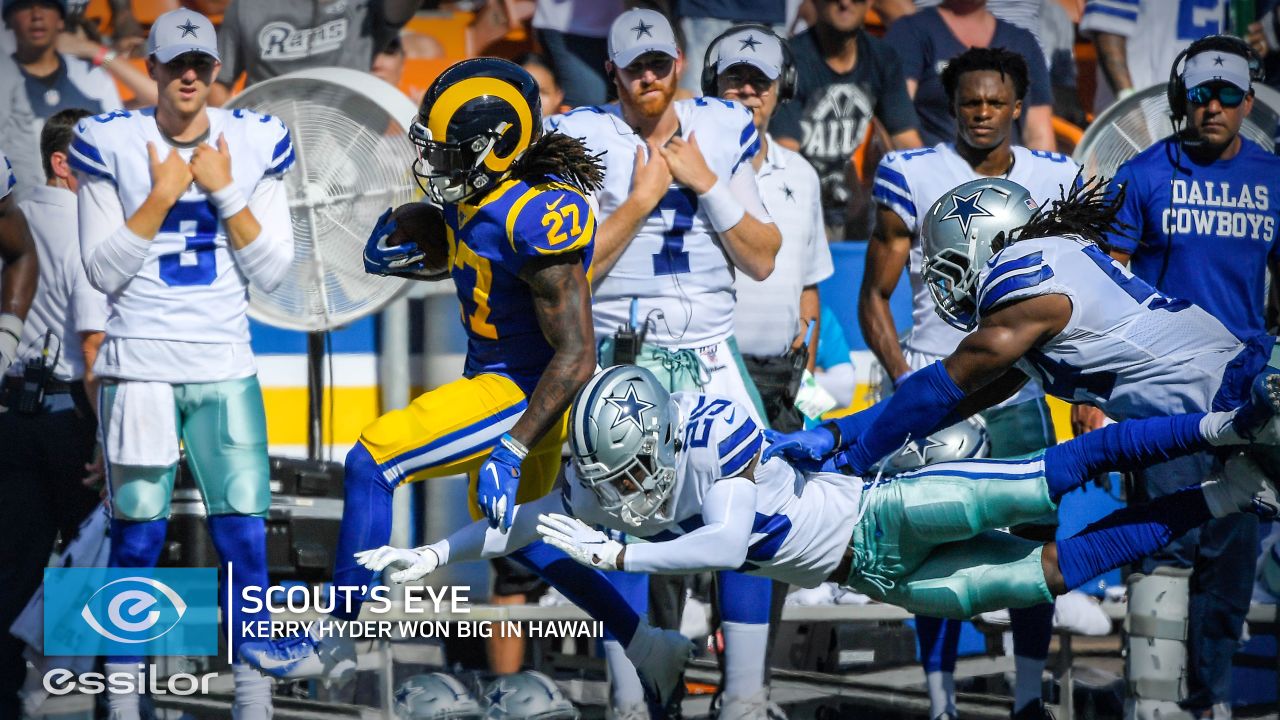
<point>332,659</point>
<point>660,657</point>
<point>1241,486</point>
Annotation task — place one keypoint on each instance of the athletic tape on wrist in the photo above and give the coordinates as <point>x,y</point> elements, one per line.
<point>229,201</point>
<point>723,209</point>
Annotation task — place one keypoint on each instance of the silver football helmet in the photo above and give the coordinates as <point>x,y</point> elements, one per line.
<point>957,236</point>
<point>965,440</point>
<point>622,438</point>
<point>435,696</point>
<point>527,695</point>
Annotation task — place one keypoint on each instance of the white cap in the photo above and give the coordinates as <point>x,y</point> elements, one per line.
<point>638,31</point>
<point>182,31</point>
<point>1216,66</point>
<point>752,47</point>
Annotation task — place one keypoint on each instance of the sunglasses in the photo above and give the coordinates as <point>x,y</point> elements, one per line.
<point>1229,95</point>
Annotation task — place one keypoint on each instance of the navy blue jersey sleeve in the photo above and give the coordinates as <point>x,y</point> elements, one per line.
<point>550,218</point>
<point>1130,217</point>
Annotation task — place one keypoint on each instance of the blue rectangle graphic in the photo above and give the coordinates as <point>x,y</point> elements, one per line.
<point>131,611</point>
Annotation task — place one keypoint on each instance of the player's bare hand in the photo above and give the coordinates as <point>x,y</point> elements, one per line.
<point>1086,418</point>
<point>412,564</point>
<point>1257,39</point>
<point>688,166</point>
<point>651,177</point>
<point>211,166</point>
<point>169,177</point>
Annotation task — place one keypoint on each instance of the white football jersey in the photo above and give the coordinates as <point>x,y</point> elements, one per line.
<point>803,522</point>
<point>1127,348</point>
<point>1155,31</point>
<point>675,265</point>
<point>909,182</point>
<point>7,179</point>
<point>190,288</point>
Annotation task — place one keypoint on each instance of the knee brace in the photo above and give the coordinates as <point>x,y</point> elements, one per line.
<point>1156,648</point>
<point>141,494</point>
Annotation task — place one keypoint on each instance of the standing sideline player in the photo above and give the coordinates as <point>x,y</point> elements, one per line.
<point>20,275</point>
<point>924,540</point>
<point>680,215</point>
<point>1200,205</point>
<point>181,207</point>
<point>520,235</point>
<point>985,88</point>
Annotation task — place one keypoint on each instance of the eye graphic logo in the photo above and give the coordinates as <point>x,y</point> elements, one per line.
<point>135,610</point>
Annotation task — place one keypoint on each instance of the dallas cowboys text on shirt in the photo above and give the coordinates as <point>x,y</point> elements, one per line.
<point>1222,208</point>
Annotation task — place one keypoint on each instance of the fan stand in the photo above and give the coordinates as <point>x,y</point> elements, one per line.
<point>315,394</point>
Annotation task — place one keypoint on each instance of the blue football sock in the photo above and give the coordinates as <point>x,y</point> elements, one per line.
<point>585,587</point>
<point>744,598</point>
<point>1130,534</point>
<point>135,545</point>
<point>1124,446</point>
<point>1032,630</point>
<point>241,542</point>
<point>366,524</point>
<point>635,588</point>
<point>939,643</point>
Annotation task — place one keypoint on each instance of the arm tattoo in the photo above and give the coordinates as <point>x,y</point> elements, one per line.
<point>562,302</point>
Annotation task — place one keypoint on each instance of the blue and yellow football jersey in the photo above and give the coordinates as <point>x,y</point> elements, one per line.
<point>489,244</point>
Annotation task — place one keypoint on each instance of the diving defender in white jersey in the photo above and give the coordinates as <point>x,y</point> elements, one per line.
<point>683,472</point>
<point>181,207</point>
<point>986,87</point>
<point>680,213</point>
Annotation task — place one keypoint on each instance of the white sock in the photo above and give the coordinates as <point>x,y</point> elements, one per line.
<point>1028,681</point>
<point>123,706</point>
<point>942,692</point>
<point>624,681</point>
<point>252,693</point>
<point>745,646</point>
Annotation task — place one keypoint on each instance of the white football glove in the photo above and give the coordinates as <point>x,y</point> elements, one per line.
<point>580,541</point>
<point>415,564</point>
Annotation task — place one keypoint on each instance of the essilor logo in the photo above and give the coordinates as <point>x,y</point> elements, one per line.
<point>137,610</point>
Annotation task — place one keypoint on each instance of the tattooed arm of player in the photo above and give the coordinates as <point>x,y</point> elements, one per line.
<point>1114,60</point>
<point>562,302</point>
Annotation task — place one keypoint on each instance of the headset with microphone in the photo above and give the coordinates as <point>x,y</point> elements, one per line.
<point>1176,90</point>
<point>786,78</point>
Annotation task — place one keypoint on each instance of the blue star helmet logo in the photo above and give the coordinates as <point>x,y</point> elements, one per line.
<point>965,209</point>
<point>630,409</point>
<point>1217,60</point>
<point>404,693</point>
<point>749,44</point>
<point>188,28</point>
<point>496,697</point>
<point>641,30</point>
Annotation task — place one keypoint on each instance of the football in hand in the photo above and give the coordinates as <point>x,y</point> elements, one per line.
<point>423,224</point>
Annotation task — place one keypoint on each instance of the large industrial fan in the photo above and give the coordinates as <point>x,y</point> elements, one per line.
<point>1132,125</point>
<point>353,158</point>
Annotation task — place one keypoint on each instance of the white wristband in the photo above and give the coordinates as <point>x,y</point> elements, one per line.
<point>514,446</point>
<point>229,201</point>
<point>722,208</point>
<point>10,336</point>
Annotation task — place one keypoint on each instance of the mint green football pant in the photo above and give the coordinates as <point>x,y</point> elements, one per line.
<point>223,428</point>
<point>927,541</point>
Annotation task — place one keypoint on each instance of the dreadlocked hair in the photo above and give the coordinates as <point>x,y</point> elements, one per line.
<point>565,157</point>
<point>1086,210</point>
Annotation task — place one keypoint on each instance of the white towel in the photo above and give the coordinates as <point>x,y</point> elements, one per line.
<point>141,430</point>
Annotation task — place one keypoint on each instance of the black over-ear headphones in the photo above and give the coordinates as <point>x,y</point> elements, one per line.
<point>1176,90</point>
<point>786,78</point>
